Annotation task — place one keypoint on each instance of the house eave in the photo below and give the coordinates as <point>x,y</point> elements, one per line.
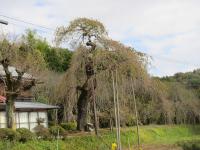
<point>29,106</point>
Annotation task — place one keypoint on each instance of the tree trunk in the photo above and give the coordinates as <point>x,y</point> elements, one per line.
<point>10,111</point>
<point>87,89</point>
<point>82,105</point>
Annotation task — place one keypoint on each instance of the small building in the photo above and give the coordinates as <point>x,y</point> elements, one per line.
<point>27,110</point>
<point>27,114</point>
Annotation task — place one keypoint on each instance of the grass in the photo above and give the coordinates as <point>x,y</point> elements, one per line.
<point>150,135</point>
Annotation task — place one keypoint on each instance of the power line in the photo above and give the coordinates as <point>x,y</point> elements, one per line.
<point>24,26</point>
<point>30,23</point>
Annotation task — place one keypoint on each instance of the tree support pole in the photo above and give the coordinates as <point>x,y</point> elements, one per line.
<point>115,108</point>
<point>94,109</point>
<point>136,114</point>
<point>118,113</point>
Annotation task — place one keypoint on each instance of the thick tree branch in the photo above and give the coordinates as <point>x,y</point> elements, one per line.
<point>5,64</point>
<point>29,86</point>
<point>90,43</point>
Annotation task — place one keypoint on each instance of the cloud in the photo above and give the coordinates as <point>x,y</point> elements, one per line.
<point>167,30</point>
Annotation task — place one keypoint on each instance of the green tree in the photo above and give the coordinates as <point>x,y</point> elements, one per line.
<point>24,58</point>
<point>94,58</point>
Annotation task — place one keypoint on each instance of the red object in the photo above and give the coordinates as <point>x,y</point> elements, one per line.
<point>2,99</point>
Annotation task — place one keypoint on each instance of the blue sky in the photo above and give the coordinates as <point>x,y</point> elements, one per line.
<point>168,30</point>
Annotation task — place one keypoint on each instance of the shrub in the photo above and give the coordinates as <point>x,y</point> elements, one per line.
<point>190,145</point>
<point>54,130</point>
<point>25,134</point>
<point>130,121</point>
<point>69,126</point>
<point>9,134</point>
<point>104,122</point>
<point>51,123</point>
<point>42,132</point>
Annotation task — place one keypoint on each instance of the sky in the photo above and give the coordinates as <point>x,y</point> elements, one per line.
<point>167,30</point>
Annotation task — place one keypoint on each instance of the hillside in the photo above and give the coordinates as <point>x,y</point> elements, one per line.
<point>190,80</point>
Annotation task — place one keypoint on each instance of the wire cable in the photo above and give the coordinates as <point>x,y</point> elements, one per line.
<point>30,23</point>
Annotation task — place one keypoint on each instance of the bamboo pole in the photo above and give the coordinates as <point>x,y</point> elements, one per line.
<point>115,110</point>
<point>129,146</point>
<point>136,114</point>
<point>57,146</point>
<point>94,109</point>
<point>118,113</point>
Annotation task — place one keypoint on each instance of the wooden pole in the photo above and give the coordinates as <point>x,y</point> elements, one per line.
<point>136,114</point>
<point>56,116</point>
<point>115,108</point>
<point>57,146</point>
<point>118,113</point>
<point>129,146</point>
<point>94,109</point>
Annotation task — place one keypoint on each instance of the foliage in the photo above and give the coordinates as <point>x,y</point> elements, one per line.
<point>25,134</point>
<point>150,135</point>
<point>182,89</point>
<point>42,132</point>
<point>190,145</point>
<point>79,30</point>
<point>56,59</point>
<point>9,134</point>
<point>105,55</point>
<point>69,126</point>
<point>55,130</point>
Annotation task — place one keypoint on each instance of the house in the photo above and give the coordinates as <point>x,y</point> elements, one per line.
<point>27,111</point>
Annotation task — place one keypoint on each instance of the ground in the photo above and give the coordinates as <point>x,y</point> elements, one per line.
<point>161,147</point>
<point>152,137</point>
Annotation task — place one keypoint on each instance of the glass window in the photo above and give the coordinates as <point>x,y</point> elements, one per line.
<point>32,126</point>
<point>3,117</point>
<point>3,125</point>
<point>43,115</point>
<point>23,117</point>
<point>24,125</point>
<point>33,117</point>
<point>17,125</point>
<point>16,117</point>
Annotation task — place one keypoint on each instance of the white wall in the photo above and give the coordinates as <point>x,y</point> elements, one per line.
<point>25,119</point>
<point>3,123</point>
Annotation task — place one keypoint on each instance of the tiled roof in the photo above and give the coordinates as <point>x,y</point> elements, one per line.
<point>33,105</point>
<point>29,105</point>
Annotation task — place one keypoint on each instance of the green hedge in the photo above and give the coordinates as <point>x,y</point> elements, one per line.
<point>69,126</point>
<point>9,134</point>
<point>55,129</point>
<point>25,134</point>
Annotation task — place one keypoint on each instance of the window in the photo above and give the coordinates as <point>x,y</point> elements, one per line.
<point>17,119</point>
<point>3,120</point>
<point>33,120</point>
<point>23,120</point>
<point>43,115</point>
